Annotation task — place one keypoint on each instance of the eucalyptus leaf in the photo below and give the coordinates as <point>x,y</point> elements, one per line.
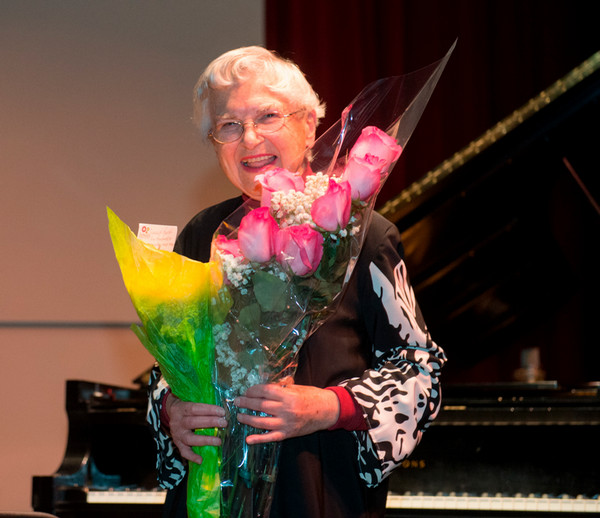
<point>270,291</point>
<point>250,316</point>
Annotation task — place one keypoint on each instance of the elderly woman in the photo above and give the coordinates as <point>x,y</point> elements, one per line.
<point>367,383</point>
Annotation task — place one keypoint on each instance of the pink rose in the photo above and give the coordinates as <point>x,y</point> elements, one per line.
<point>332,210</point>
<point>278,179</point>
<point>364,175</point>
<point>256,235</point>
<point>227,246</point>
<point>376,142</point>
<point>300,248</point>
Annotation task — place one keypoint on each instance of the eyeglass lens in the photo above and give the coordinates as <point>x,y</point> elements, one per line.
<point>232,130</point>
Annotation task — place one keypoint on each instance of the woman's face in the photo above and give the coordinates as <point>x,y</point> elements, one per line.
<point>254,154</point>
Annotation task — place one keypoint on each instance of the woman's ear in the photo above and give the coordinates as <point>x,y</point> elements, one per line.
<point>311,127</point>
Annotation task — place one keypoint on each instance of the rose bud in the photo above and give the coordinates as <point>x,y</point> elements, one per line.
<point>256,235</point>
<point>332,210</point>
<point>278,179</point>
<point>364,175</point>
<point>227,246</point>
<point>374,141</point>
<point>300,248</point>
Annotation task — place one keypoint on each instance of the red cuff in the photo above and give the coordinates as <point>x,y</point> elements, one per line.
<point>351,414</point>
<point>164,416</point>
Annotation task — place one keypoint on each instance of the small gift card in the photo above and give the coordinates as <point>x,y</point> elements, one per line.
<point>161,236</point>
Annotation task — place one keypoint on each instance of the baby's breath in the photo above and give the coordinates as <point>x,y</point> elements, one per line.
<point>240,376</point>
<point>293,207</point>
<point>237,271</point>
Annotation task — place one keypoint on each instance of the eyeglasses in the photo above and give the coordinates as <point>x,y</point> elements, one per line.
<point>230,131</point>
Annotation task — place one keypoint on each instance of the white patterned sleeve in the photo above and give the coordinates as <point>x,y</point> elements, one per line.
<point>400,395</point>
<point>170,466</point>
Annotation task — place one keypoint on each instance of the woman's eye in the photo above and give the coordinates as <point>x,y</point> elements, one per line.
<point>268,118</point>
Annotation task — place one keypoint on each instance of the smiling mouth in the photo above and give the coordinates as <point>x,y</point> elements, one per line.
<point>259,161</point>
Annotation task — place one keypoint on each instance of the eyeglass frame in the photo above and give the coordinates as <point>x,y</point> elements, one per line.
<point>242,124</point>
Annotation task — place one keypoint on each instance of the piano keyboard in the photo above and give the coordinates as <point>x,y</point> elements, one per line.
<point>126,497</point>
<point>532,503</point>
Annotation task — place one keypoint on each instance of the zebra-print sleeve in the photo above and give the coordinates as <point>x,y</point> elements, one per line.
<point>170,466</point>
<point>400,395</point>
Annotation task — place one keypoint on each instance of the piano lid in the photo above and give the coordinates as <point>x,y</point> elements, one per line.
<point>501,241</point>
<point>398,207</point>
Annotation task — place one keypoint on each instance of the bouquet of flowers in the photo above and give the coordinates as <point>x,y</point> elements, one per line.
<point>276,272</point>
<point>178,301</point>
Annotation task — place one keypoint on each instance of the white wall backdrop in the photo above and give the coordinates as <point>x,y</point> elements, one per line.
<point>95,107</point>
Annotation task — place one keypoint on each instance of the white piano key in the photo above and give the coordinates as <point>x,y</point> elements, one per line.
<point>531,503</point>
<point>125,497</point>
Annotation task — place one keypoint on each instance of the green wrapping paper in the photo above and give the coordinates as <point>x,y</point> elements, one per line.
<point>177,301</point>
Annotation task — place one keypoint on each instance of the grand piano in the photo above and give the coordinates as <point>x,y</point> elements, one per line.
<point>502,244</point>
<point>108,469</point>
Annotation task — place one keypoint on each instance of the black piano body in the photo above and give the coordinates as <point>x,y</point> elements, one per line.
<point>109,464</point>
<point>505,450</point>
<point>501,243</point>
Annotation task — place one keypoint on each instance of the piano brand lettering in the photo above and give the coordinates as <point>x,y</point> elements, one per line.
<point>413,464</point>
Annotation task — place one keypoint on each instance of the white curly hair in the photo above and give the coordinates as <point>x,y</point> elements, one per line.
<point>279,75</point>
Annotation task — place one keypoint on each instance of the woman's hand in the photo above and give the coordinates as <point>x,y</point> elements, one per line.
<point>294,410</point>
<point>184,418</point>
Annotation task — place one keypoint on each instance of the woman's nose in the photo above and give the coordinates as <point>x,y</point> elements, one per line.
<point>250,136</point>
